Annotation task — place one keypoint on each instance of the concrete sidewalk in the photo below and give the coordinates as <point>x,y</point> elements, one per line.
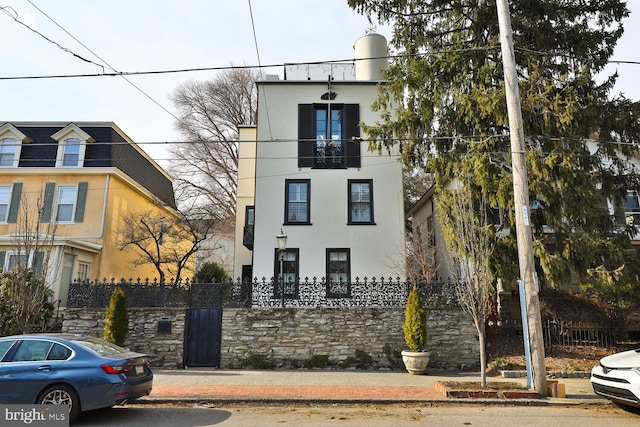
<point>206,384</point>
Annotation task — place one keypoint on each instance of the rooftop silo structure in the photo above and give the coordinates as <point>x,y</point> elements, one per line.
<point>371,55</point>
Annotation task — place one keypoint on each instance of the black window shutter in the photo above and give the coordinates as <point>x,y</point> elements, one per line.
<point>48,202</point>
<point>305,135</point>
<point>352,134</point>
<point>82,200</point>
<point>38,262</point>
<point>16,194</point>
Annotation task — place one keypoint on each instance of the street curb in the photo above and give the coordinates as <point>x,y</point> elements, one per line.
<point>550,374</point>
<point>440,402</point>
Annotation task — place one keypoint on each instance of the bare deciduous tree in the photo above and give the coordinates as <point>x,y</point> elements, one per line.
<point>25,287</point>
<point>420,255</point>
<point>168,242</point>
<point>470,238</point>
<point>206,164</point>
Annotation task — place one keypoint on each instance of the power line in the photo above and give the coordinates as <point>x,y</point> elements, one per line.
<point>96,55</point>
<point>255,40</point>
<point>7,10</point>
<point>265,66</point>
<point>456,139</point>
<point>241,67</point>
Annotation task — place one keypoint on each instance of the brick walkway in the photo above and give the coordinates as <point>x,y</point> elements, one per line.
<point>316,392</point>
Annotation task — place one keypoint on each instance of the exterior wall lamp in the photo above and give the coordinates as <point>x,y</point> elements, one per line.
<point>281,238</point>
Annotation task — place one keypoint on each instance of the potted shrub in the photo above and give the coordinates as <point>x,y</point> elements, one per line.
<point>415,334</point>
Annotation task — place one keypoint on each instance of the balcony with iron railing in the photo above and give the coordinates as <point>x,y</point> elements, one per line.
<point>247,236</point>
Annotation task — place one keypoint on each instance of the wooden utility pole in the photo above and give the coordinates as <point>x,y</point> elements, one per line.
<point>521,199</point>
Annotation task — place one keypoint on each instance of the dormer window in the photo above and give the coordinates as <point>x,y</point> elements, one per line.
<point>72,143</point>
<point>71,153</point>
<point>8,149</point>
<point>11,140</point>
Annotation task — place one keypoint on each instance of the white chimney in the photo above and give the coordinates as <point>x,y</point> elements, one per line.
<point>371,55</point>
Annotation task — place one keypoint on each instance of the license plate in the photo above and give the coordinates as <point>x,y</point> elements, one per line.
<point>139,369</point>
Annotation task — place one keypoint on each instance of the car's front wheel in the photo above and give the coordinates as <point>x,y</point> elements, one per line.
<point>61,394</point>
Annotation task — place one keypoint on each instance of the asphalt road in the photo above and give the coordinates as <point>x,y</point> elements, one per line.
<point>370,415</point>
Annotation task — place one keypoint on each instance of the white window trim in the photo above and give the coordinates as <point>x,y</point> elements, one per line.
<point>10,187</point>
<point>8,131</point>
<point>88,272</point>
<point>16,253</point>
<point>62,149</point>
<point>73,209</point>
<point>71,132</point>
<point>30,260</point>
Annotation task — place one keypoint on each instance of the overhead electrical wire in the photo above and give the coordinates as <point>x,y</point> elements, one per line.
<point>191,70</point>
<point>255,41</point>
<point>367,155</point>
<point>241,67</point>
<point>104,62</point>
<point>13,14</point>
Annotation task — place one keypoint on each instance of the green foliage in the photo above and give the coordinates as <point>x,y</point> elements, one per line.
<point>8,324</point>
<point>394,357</point>
<point>618,293</point>
<point>116,325</point>
<point>451,103</point>
<point>42,317</point>
<point>211,272</point>
<point>415,321</point>
<point>259,361</point>
<point>24,302</point>
<point>317,361</point>
<point>363,360</point>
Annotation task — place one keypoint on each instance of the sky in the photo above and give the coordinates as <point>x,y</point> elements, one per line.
<point>151,35</point>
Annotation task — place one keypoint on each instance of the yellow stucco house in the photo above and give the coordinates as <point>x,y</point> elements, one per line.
<point>83,177</point>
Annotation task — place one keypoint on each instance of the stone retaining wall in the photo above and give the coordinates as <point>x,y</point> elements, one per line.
<point>290,337</point>
<point>165,348</point>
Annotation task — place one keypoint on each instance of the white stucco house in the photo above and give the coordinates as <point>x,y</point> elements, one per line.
<point>305,170</point>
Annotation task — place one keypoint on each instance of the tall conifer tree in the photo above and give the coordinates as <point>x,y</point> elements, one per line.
<point>445,105</point>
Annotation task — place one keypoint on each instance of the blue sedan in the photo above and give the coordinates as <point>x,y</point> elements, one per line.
<point>64,369</point>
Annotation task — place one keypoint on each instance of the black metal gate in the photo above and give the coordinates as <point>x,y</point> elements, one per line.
<point>203,326</point>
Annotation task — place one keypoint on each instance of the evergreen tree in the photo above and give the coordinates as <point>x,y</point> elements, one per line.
<point>211,272</point>
<point>116,324</point>
<point>415,322</point>
<point>445,105</point>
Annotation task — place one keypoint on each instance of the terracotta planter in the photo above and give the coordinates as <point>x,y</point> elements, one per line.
<point>416,361</point>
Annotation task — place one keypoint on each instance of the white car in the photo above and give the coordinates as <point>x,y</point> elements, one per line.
<point>617,378</point>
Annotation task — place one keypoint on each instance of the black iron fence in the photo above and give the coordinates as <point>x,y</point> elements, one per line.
<point>266,293</point>
<point>318,293</point>
<point>578,333</point>
<point>147,293</point>
<point>139,293</point>
<point>568,333</point>
<point>374,292</point>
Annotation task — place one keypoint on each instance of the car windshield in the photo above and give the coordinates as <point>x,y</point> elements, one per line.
<point>99,346</point>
